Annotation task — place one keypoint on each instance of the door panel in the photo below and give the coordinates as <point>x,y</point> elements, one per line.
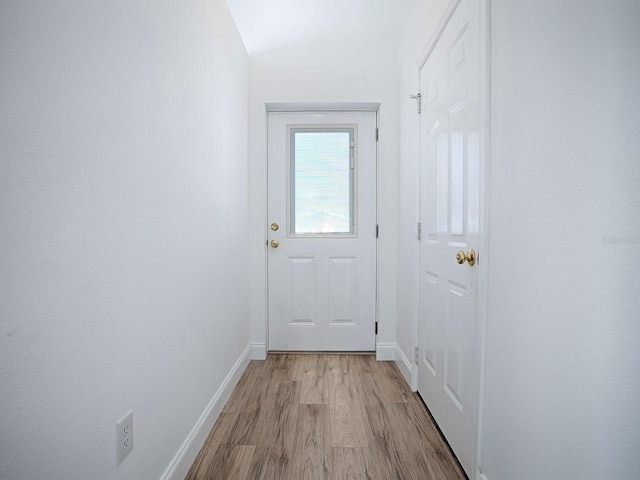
<point>429,321</point>
<point>454,328</point>
<point>343,291</point>
<point>322,195</point>
<point>301,279</point>
<point>450,186</point>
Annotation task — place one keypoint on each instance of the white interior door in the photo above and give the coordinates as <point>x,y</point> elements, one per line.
<point>450,217</point>
<point>321,236</point>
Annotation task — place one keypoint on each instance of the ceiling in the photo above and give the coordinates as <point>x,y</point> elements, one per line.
<point>268,24</point>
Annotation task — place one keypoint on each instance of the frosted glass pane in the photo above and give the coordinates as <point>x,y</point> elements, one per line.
<point>322,182</point>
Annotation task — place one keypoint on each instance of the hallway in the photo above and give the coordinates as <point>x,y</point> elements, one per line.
<point>324,416</point>
<point>134,238</point>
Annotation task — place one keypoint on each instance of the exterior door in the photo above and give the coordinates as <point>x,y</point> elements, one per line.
<point>321,237</point>
<point>450,219</point>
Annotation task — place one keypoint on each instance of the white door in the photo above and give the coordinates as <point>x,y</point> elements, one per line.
<point>321,238</point>
<point>450,216</point>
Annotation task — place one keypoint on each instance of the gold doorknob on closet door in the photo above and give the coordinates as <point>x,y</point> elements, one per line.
<point>275,243</point>
<point>275,226</point>
<point>469,257</point>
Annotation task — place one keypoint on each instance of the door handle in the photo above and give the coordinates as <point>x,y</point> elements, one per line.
<point>275,243</point>
<point>469,257</point>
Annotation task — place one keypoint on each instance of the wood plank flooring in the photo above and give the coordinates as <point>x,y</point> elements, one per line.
<point>325,416</point>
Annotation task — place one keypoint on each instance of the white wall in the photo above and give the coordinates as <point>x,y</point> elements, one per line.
<point>562,363</point>
<point>415,38</point>
<point>353,67</point>
<point>123,213</point>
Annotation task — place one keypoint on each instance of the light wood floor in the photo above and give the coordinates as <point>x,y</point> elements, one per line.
<point>324,417</point>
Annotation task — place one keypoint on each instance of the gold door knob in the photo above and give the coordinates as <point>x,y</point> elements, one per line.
<point>469,257</point>
<point>275,226</point>
<point>275,243</point>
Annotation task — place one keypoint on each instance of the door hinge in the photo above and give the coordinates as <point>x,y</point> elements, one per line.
<point>377,134</point>
<point>419,231</point>
<point>376,328</point>
<point>417,98</point>
<point>415,355</point>
<point>377,230</point>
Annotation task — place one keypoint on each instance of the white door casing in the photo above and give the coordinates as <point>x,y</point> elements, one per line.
<point>450,159</point>
<point>321,288</point>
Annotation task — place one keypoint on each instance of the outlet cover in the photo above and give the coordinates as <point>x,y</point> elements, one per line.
<point>124,437</point>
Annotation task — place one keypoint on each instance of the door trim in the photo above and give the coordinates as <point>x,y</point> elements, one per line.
<point>483,246</point>
<point>485,197</point>
<point>437,33</point>
<point>323,107</point>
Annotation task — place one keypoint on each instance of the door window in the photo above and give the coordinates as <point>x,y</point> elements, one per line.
<point>322,181</point>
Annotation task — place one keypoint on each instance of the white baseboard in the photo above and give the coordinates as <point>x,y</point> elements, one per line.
<point>405,366</point>
<point>385,351</point>
<point>181,463</point>
<point>258,351</point>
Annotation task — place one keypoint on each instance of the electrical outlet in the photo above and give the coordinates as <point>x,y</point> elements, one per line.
<point>124,437</point>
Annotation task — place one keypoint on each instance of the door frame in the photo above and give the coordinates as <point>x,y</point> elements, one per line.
<point>483,263</point>
<point>327,107</point>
